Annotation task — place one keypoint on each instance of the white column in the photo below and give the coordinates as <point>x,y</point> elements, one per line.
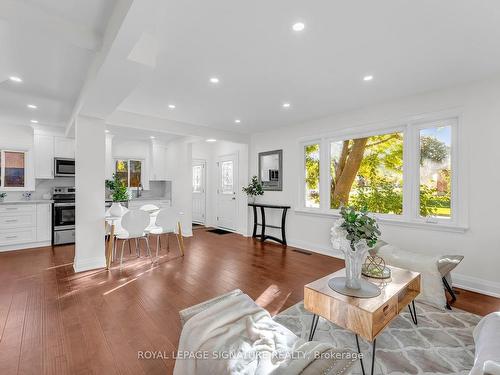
<point>89,182</point>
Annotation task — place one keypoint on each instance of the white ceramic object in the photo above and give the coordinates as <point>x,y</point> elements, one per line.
<point>116,209</point>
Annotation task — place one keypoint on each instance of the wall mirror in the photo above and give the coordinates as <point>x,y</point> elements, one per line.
<point>271,170</point>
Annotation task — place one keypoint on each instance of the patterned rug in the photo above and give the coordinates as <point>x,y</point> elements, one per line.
<point>441,343</point>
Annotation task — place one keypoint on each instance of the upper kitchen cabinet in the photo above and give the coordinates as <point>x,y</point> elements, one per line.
<point>158,158</point>
<point>64,148</point>
<point>44,156</point>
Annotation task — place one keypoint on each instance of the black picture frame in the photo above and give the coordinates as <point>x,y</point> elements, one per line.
<point>274,181</point>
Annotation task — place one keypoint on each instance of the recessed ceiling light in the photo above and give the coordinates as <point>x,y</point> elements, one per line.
<point>286,105</point>
<point>152,136</point>
<point>15,79</point>
<point>298,26</point>
<point>32,106</point>
<point>171,106</point>
<point>211,140</point>
<point>34,121</point>
<point>106,131</point>
<point>237,121</point>
<point>214,80</point>
<point>367,78</point>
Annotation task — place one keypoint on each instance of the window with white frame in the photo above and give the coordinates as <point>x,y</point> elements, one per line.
<point>12,169</point>
<point>404,172</point>
<point>129,172</point>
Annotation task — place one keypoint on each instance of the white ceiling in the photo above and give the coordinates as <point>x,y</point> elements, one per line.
<point>408,46</point>
<point>50,45</point>
<point>164,52</point>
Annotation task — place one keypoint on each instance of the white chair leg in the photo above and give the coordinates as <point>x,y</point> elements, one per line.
<point>168,241</point>
<point>137,248</point>
<point>157,245</point>
<point>121,256</point>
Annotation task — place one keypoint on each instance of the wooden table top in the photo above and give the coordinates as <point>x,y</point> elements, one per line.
<point>400,279</point>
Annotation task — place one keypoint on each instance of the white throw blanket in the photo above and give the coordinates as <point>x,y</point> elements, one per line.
<point>238,327</point>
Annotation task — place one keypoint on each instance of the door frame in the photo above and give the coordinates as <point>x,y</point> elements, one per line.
<point>235,157</point>
<point>204,187</point>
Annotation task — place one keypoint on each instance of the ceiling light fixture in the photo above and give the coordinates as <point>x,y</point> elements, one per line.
<point>214,80</point>
<point>15,79</point>
<point>106,131</point>
<point>34,121</point>
<point>286,105</point>
<point>152,137</point>
<point>237,121</point>
<point>171,106</point>
<point>211,140</point>
<point>367,78</point>
<point>298,26</point>
<point>32,106</point>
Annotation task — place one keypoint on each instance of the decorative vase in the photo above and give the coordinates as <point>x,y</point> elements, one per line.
<point>116,209</point>
<point>251,199</point>
<point>354,259</point>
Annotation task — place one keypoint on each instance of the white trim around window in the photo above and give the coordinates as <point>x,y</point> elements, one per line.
<point>411,173</point>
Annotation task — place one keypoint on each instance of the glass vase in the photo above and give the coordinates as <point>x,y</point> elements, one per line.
<point>354,259</point>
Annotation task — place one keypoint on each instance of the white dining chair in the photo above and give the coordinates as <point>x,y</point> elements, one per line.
<point>134,223</point>
<point>167,222</point>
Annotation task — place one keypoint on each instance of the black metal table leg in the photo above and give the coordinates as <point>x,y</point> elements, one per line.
<point>374,345</point>
<point>263,230</point>
<point>314,324</point>
<point>283,222</point>
<point>413,313</point>
<point>451,291</point>
<point>254,221</point>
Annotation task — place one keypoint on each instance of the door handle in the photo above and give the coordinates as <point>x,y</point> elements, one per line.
<point>233,198</point>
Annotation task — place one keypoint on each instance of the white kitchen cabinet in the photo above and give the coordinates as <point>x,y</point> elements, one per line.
<point>44,156</point>
<point>158,160</point>
<point>25,225</point>
<point>43,222</point>
<point>64,147</point>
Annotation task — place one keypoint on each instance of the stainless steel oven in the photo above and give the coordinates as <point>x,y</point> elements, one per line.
<point>64,167</point>
<point>63,215</point>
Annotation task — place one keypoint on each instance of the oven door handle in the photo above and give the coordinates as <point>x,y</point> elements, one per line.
<point>64,204</point>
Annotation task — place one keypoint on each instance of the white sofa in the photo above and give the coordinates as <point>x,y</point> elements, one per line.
<point>487,341</point>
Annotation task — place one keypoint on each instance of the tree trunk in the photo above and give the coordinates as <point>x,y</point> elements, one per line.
<point>344,181</point>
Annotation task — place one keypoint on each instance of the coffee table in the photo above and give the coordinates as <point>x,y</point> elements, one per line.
<point>366,317</point>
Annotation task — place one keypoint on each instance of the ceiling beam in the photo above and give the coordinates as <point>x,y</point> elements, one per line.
<point>138,121</point>
<point>20,14</point>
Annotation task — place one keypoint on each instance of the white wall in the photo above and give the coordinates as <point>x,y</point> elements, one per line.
<point>479,132</point>
<point>89,182</point>
<point>210,152</point>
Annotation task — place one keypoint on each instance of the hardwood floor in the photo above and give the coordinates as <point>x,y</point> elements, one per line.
<point>53,321</point>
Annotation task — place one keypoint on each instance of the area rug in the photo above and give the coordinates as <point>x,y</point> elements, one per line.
<point>442,342</point>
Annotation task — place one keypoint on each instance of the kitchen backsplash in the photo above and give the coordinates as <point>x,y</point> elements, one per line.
<point>41,187</point>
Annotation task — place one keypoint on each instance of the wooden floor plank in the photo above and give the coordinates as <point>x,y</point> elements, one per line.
<point>53,321</point>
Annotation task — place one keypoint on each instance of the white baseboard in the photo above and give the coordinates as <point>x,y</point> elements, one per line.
<point>473,284</point>
<point>80,265</point>
<point>490,288</point>
<point>24,246</point>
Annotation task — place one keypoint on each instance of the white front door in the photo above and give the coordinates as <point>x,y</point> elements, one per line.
<point>199,195</point>
<point>227,205</point>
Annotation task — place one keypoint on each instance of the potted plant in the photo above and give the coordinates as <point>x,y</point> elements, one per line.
<point>354,233</point>
<point>2,196</point>
<point>253,189</point>
<point>119,194</point>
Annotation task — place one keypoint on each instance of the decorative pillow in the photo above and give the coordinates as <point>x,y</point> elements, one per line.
<point>432,290</point>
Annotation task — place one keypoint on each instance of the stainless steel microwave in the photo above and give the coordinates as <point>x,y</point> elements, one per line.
<point>64,167</point>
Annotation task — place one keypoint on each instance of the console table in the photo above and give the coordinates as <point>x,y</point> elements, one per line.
<point>263,236</point>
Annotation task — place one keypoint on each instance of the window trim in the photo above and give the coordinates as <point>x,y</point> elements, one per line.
<point>2,170</point>
<point>128,169</point>
<point>411,170</point>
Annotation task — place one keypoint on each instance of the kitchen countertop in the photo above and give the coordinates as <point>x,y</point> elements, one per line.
<point>31,201</point>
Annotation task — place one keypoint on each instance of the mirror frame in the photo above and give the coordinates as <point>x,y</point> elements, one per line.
<point>278,187</point>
